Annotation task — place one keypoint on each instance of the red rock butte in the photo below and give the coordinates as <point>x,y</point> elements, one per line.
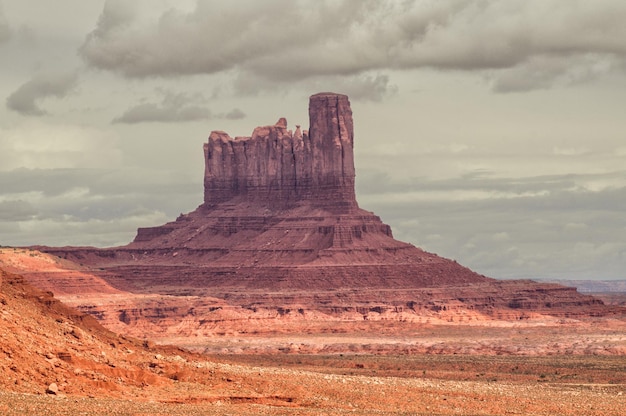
<point>279,168</point>
<point>280,225</point>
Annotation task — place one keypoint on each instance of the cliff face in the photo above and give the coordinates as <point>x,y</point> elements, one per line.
<point>278,168</point>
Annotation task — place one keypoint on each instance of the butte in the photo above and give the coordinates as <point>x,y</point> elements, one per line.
<point>280,231</point>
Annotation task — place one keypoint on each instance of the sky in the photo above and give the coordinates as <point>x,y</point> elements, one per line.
<point>489,132</point>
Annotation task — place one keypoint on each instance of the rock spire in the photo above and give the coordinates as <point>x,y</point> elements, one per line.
<point>279,168</point>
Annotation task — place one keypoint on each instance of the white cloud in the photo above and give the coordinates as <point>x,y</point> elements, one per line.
<point>76,231</point>
<point>571,151</point>
<point>546,71</point>
<point>86,206</point>
<point>621,151</point>
<point>500,237</point>
<point>362,87</point>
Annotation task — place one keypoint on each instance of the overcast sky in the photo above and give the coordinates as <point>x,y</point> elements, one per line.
<point>490,132</point>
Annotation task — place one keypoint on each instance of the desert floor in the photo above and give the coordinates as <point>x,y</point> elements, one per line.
<point>364,385</point>
<point>357,384</point>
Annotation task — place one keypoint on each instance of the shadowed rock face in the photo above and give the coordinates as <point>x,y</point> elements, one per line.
<point>278,168</point>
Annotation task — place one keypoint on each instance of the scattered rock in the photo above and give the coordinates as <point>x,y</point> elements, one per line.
<point>52,389</point>
<point>77,333</point>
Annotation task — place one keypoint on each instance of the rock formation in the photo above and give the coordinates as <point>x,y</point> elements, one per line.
<point>280,234</point>
<point>278,168</point>
<point>280,211</point>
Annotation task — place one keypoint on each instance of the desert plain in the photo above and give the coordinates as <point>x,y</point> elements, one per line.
<point>535,367</point>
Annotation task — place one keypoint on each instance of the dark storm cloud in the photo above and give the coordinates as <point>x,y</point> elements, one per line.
<point>25,100</point>
<point>285,41</point>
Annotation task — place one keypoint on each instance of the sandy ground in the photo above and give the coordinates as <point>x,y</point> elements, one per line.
<point>266,390</point>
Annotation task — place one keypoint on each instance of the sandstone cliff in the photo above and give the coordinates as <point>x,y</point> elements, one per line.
<point>278,168</point>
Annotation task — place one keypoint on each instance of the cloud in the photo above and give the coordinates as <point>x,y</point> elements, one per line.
<point>280,40</point>
<point>36,144</point>
<point>543,72</point>
<point>117,15</point>
<point>25,100</point>
<point>544,226</point>
<point>5,29</point>
<point>16,210</point>
<point>76,231</point>
<point>361,87</point>
<point>203,41</point>
<point>175,107</point>
<point>235,114</point>
<point>88,206</point>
